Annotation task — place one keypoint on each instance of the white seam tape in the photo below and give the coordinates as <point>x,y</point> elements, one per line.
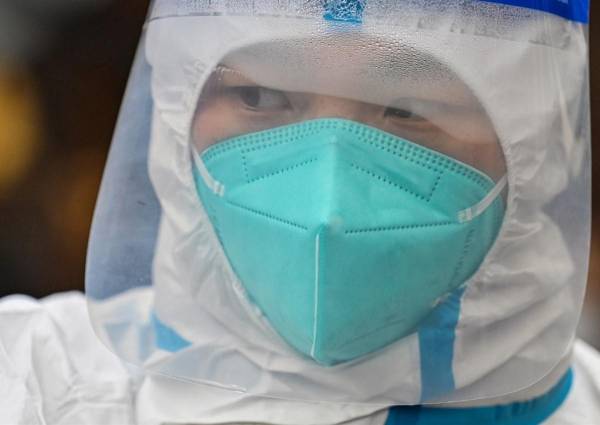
<point>214,185</point>
<point>470,213</point>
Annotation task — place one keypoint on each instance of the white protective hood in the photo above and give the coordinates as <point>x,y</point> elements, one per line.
<point>518,313</point>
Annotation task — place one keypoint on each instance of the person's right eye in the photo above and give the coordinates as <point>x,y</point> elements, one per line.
<point>260,98</point>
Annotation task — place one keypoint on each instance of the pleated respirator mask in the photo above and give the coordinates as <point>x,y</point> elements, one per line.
<point>345,236</point>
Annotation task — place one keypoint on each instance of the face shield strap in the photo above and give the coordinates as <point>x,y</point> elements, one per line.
<point>215,186</point>
<point>479,208</point>
<point>532,411</point>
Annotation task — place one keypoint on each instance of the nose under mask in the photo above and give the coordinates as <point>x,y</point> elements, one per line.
<point>345,237</point>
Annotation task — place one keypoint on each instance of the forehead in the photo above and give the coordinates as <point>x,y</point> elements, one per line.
<point>364,68</point>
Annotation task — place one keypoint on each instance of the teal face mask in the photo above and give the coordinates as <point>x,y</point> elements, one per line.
<point>345,236</point>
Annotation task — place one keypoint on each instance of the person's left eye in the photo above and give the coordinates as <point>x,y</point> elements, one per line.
<point>402,114</point>
<point>261,98</point>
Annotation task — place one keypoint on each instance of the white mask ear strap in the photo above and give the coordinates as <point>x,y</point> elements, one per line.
<point>217,187</point>
<point>470,213</point>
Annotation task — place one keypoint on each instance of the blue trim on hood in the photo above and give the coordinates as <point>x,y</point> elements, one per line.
<point>436,347</point>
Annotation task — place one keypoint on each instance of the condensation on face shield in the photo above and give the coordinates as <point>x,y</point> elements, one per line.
<point>387,86</point>
<point>358,202</point>
<point>327,204</point>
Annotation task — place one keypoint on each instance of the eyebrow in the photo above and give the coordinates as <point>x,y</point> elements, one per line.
<point>219,74</point>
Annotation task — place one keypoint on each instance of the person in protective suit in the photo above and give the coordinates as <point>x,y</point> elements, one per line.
<point>328,212</point>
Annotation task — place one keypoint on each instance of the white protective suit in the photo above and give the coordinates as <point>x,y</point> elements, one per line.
<point>166,294</point>
<point>54,370</point>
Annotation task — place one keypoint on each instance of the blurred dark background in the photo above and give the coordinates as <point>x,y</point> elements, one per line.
<point>63,69</point>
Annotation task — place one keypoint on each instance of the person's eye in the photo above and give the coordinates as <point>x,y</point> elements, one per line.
<point>401,114</point>
<point>261,98</point>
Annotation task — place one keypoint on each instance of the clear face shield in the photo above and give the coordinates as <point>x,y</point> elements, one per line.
<point>346,204</point>
<point>402,92</point>
<point>323,186</point>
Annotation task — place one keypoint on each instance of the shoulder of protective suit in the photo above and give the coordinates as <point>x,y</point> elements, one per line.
<point>582,405</point>
<point>53,369</point>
